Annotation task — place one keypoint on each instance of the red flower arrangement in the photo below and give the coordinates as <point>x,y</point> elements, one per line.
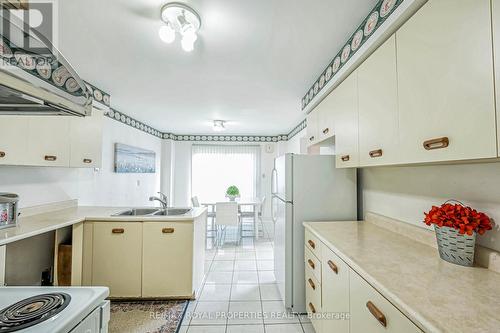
<point>465,219</point>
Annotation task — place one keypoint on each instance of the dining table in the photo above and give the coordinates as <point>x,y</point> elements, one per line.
<point>255,203</point>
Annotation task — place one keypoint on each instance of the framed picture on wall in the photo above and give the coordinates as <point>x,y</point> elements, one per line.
<point>129,159</point>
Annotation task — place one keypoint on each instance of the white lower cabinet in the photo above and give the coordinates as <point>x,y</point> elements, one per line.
<point>335,293</point>
<point>116,257</point>
<point>371,312</point>
<point>144,259</point>
<point>341,301</point>
<point>167,259</point>
<point>2,265</point>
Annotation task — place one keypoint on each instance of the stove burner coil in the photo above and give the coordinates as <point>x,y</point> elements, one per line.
<point>32,311</point>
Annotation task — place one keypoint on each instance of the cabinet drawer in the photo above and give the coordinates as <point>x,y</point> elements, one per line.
<point>313,301</point>
<point>312,263</point>
<point>371,312</point>
<point>313,244</point>
<point>335,292</point>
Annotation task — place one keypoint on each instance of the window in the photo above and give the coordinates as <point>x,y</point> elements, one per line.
<point>216,167</point>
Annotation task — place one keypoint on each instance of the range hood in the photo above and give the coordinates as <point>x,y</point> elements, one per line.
<point>37,80</point>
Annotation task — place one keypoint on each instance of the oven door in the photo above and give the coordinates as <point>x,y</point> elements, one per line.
<point>96,322</point>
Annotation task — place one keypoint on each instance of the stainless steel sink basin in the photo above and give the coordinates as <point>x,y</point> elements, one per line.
<point>172,212</point>
<point>153,212</point>
<point>137,212</point>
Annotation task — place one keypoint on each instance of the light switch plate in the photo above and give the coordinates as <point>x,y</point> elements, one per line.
<point>269,148</point>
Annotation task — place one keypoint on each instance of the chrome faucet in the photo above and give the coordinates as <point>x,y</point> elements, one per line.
<point>163,199</point>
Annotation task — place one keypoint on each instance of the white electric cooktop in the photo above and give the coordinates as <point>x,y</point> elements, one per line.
<point>67,307</point>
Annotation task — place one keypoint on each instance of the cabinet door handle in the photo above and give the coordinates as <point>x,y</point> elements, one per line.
<point>377,313</point>
<point>326,130</point>
<point>168,230</point>
<point>2,154</point>
<point>345,158</point>
<point>311,283</point>
<point>313,309</point>
<point>311,263</point>
<point>333,267</point>
<point>375,153</point>
<point>438,143</point>
<point>118,231</point>
<point>311,244</point>
<point>311,138</point>
<point>50,158</point>
<point>87,160</point>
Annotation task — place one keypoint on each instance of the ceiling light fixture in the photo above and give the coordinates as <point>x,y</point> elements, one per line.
<point>219,125</point>
<point>179,18</point>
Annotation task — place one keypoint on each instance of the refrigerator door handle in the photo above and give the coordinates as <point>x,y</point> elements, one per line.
<point>274,181</point>
<point>273,210</point>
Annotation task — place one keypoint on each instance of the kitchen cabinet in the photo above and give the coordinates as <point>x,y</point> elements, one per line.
<point>13,140</point>
<point>2,265</point>
<point>345,99</point>
<point>313,300</point>
<point>371,312</point>
<point>335,292</point>
<point>378,107</point>
<point>167,259</point>
<point>117,257</point>
<point>48,143</point>
<point>312,127</point>
<point>86,140</point>
<point>326,113</point>
<point>445,83</point>
<point>149,259</point>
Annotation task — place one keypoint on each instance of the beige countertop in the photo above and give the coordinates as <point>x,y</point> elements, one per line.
<point>436,295</point>
<point>32,225</point>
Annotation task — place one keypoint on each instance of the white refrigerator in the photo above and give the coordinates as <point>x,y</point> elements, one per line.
<point>305,188</point>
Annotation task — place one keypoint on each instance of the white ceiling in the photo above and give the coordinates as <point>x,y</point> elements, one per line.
<point>252,64</point>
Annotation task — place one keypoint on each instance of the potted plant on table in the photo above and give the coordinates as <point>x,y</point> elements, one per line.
<point>456,227</point>
<point>232,193</point>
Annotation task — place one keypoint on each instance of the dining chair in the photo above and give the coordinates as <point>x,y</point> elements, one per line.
<point>227,215</point>
<point>210,229</point>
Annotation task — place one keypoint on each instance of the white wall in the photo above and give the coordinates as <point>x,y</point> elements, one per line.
<point>296,145</point>
<point>182,173</point>
<point>39,185</point>
<point>405,193</point>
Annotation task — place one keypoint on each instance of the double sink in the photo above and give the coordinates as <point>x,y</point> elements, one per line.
<point>154,212</point>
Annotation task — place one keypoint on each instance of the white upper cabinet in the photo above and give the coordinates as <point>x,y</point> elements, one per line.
<point>13,140</point>
<point>312,127</point>
<point>48,143</point>
<point>345,101</point>
<point>496,43</point>
<point>378,107</point>
<point>445,83</point>
<point>86,140</point>
<point>326,116</point>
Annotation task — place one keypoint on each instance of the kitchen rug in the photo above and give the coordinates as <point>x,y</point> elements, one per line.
<point>146,316</point>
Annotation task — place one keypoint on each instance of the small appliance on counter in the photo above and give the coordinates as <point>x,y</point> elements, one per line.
<point>8,209</point>
<point>55,310</point>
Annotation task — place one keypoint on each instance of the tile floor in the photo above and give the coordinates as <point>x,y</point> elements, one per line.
<point>240,294</point>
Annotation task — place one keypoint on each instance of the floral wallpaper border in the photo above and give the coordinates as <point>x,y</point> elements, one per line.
<point>377,16</point>
<point>129,121</point>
